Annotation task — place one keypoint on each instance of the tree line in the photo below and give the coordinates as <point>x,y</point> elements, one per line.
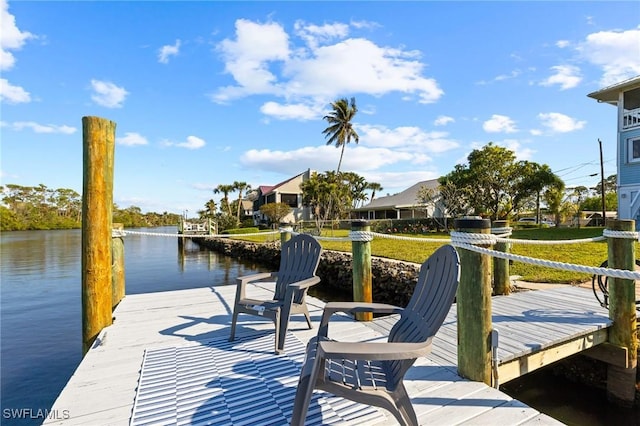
<point>40,207</point>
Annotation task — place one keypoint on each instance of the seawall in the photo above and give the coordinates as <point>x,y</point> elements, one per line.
<point>392,280</point>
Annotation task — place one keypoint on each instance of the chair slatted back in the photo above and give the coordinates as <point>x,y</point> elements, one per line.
<point>427,309</point>
<point>299,260</point>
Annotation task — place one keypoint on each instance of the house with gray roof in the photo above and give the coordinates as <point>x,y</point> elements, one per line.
<point>403,205</point>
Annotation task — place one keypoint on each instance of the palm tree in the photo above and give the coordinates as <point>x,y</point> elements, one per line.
<point>210,208</point>
<point>340,130</point>
<point>240,186</point>
<point>225,190</point>
<point>374,187</point>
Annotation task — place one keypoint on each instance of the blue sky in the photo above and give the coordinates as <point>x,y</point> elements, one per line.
<point>207,93</point>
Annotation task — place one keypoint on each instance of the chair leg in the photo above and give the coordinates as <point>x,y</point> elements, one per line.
<point>307,316</point>
<point>277,321</point>
<point>304,392</point>
<point>234,319</point>
<point>406,414</point>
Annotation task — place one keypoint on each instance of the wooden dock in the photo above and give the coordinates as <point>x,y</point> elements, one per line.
<point>535,328</point>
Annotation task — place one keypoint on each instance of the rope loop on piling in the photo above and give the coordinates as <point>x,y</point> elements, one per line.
<point>360,236</point>
<point>472,238</point>
<point>503,232</point>
<point>610,233</point>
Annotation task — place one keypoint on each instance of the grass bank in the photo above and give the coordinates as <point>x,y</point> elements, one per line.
<point>587,254</point>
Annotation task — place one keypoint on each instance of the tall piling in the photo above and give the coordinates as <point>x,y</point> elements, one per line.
<point>473,306</point>
<point>621,380</point>
<point>98,137</point>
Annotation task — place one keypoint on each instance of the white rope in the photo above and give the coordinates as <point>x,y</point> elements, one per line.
<point>405,238</point>
<point>472,238</point>
<point>609,233</point>
<point>117,233</point>
<point>500,239</point>
<point>503,232</point>
<point>361,236</point>
<point>176,235</point>
<point>614,273</point>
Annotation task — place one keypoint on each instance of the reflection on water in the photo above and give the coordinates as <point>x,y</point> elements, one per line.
<point>40,303</point>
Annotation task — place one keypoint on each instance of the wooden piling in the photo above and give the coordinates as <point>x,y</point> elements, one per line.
<point>501,274</point>
<point>473,304</point>
<point>117,265</point>
<point>361,249</point>
<point>285,234</point>
<point>98,137</point>
<point>621,381</point>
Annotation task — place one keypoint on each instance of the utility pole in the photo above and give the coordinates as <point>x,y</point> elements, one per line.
<point>604,207</point>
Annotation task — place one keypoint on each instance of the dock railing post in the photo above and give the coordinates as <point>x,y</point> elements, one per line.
<point>361,249</point>
<point>473,304</point>
<point>501,275</point>
<point>117,264</point>
<point>98,137</point>
<point>622,310</point>
<point>285,234</point>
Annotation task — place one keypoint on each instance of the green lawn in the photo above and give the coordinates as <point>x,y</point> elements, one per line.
<point>588,254</point>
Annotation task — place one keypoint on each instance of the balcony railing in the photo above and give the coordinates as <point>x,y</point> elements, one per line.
<point>630,118</point>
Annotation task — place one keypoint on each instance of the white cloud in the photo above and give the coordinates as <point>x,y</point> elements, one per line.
<point>13,94</point>
<point>315,69</point>
<point>168,50</point>
<point>132,139</point>
<point>192,142</point>
<point>616,52</point>
<point>560,123</point>
<point>291,111</point>
<point>443,120</point>
<point>42,128</point>
<point>11,38</point>
<point>499,124</point>
<point>405,138</point>
<point>522,153</point>
<point>247,58</point>
<point>108,94</point>
<point>563,43</point>
<point>321,158</point>
<point>567,76</point>
<point>316,34</point>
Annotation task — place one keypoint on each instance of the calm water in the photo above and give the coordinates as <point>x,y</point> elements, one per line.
<point>40,305</point>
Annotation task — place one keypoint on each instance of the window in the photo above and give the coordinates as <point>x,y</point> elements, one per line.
<point>292,199</point>
<point>634,150</point>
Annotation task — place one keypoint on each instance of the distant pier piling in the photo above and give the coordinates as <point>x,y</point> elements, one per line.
<point>362,278</point>
<point>98,137</point>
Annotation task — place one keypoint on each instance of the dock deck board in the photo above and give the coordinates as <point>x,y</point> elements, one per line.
<point>103,388</point>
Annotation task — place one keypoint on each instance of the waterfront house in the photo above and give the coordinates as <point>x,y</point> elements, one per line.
<point>626,97</point>
<point>403,205</point>
<point>287,192</point>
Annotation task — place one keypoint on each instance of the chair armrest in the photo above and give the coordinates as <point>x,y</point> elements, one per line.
<point>373,351</point>
<point>351,308</point>
<point>255,277</point>
<point>243,281</point>
<point>304,284</point>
